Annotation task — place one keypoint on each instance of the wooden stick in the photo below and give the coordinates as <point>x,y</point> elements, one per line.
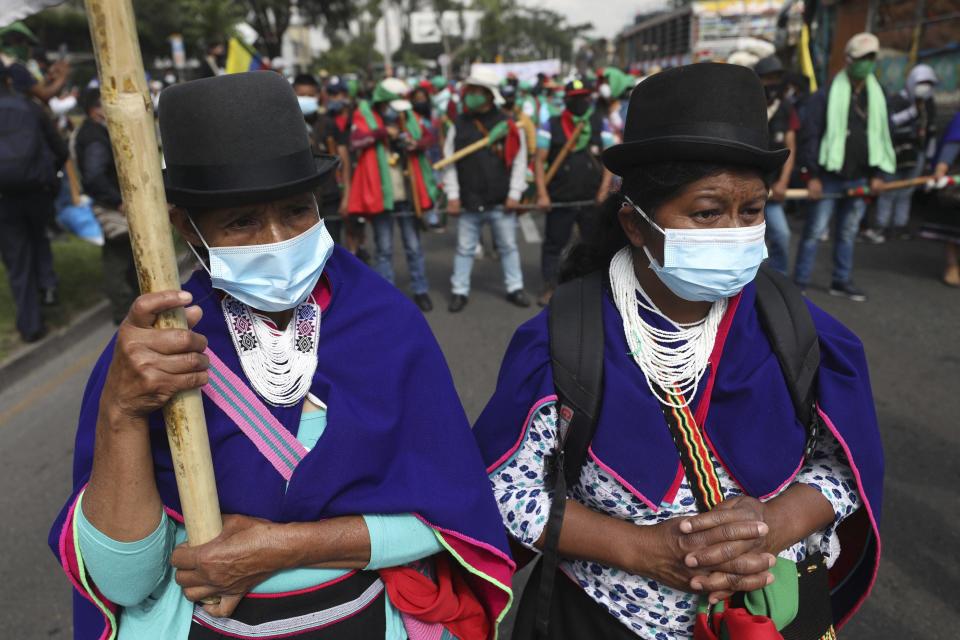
<point>74,182</point>
<point>563,153</point>
<point>462,153</point>
<point>129,111</point>
<point>865,192</point>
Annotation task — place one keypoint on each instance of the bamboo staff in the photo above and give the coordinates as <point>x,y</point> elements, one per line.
<point>495,135</point>
<point>129,111</point>
<point>75,198</point>
<point>866,192</point>
<point>563,153</point>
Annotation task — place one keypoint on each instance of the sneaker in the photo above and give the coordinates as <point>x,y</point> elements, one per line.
<point>874,236</point>
<point>457,303</point>
<point>519,298</point>
<point>847,290</point>
<point>424,302</point>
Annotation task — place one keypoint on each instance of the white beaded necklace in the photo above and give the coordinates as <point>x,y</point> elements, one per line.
<point>675,359</point>
<point>279,364</point>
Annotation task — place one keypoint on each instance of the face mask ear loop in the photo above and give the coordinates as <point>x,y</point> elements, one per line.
<point>644,214</point>
<point>206,246</point>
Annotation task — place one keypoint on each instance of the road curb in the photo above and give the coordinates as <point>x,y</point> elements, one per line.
<point>30,357</point>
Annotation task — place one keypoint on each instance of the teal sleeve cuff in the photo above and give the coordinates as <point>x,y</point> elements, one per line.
<point>399,539</point>
<point>125,572</point>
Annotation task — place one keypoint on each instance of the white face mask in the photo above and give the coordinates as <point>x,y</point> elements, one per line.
<point>923,91</point>
<point>707,264</point>
<point>270,277</point>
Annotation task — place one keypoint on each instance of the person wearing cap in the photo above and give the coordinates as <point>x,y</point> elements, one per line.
<point>913,116</point>
<point>846,145</point>
<point>485,186</point>
<point>326,137</point>
<point>15,42</point>
<point>355,503</point>
<point>675,258</point>
<point>784,124</point>
<point>580,177</point>
<point>390,143</point>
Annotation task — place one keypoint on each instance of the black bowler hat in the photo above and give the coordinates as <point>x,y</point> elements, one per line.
<point>706,112</point>
<point>236,139</point>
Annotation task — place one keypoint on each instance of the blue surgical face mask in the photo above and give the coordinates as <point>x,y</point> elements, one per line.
<point>271,277</point>
<point>706,265</point>
<point>334,105</point>
<point>308,104</point>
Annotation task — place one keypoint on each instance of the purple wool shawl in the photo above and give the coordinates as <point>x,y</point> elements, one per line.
<point>747,416</point>
<point>398,440</point>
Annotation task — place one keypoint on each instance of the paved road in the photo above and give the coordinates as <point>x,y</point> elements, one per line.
<point>909,327</point>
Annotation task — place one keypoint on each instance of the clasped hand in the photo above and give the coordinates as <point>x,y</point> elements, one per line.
<point>716,553</point>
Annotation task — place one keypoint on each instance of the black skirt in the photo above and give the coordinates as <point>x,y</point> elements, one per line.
<point>352,609</point>
<point>573,614</point>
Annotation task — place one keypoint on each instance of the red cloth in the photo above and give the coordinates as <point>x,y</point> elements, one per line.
<point>448,601</point>
<point>739,624</point>
<point>366,190</point>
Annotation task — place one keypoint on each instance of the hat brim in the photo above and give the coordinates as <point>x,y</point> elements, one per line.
<point>619,159</point>
<point>401,105</point>
<point>236,197</point>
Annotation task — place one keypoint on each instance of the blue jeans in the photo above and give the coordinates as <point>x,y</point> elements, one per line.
<point>778,236</point>
<point>504,227</point>
<point>896,204</point>
<point>383,238</point>
<point>849,213</point>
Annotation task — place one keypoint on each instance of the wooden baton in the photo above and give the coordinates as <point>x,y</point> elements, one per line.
<point>129,111</point>
<point>563,153</point>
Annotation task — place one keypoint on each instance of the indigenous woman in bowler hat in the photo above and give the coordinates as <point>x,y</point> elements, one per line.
<point>354,498</point>
<point>679,247</point>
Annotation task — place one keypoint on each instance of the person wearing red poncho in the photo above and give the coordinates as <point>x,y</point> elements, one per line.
<point>390,141</point>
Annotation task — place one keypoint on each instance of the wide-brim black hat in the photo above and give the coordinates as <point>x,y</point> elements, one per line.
<point>236,139</point>
<point>706,112</point>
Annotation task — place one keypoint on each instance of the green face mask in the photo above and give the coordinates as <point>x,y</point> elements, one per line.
<point>860,69</point>
<point>475,101</point>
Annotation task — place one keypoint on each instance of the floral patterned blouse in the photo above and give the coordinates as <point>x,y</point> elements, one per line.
<point>647,608</point>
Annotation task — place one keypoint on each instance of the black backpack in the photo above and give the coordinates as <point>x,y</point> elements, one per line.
<point>576,355</point>
<point>26,161</point>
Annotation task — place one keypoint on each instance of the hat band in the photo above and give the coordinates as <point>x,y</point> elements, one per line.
<point>264,173</point>
<point>714,130</point>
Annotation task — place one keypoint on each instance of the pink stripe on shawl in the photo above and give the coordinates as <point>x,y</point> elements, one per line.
<point>539,404</point>
<point>282,440</point>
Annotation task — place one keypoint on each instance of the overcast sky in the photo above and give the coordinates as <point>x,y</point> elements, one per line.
<point>608,16</point>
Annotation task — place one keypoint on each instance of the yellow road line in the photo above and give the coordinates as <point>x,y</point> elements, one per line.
<point>84,362</point>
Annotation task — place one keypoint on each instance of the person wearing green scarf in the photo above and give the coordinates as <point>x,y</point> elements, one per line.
<point>847,145</point>
<point>15,42</point>
<point>387,136</point>
<point>580,176</point>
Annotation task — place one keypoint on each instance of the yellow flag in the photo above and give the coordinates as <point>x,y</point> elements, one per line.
<point>239,58</point>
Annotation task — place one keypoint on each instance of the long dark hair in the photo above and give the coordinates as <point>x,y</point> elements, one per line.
<point>648,186</point>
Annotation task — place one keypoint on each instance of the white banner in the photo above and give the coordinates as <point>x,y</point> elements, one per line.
<point>523,70</point>
<point>426,29</point>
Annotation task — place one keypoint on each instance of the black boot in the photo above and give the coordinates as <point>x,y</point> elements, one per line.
<point>424,302</point>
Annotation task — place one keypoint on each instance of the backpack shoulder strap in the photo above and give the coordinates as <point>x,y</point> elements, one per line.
<point>576,355</point>
<point>787,322</point>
